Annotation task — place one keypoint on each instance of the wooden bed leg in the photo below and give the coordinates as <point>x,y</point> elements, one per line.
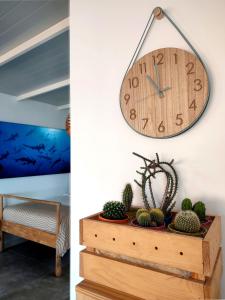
<point>58,265</point>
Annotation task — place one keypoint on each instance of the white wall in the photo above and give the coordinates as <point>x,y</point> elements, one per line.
<point>104,34</point>
<point>33,113</point>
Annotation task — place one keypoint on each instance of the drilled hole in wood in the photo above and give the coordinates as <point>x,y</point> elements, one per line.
<point>181,253</point>
<point>134,243</point>
<point>96,235</point>
<point>156,248</point>
<point>114,239</point>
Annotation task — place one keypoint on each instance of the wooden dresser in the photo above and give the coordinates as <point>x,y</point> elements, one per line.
<point>127,262</point>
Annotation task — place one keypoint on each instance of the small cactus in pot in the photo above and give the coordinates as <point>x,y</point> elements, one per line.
<point>140,211</point>
<point>127,197</point>
<point>187,221</point>
<point>157,217</point>
<point>144,219</point>
<point>114,210</point>
<point>186,204</point>
<point>199,209</point>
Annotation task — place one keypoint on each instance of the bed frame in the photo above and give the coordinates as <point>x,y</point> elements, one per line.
<point>29,233</point>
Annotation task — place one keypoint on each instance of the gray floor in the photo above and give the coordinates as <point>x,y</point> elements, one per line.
<point>26,272</point>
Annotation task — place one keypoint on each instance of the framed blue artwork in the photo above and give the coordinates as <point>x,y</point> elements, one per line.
<point>27,150</point>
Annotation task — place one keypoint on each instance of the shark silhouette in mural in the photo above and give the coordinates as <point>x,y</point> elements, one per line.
<point>37,147</point>
<point>12,137</point>
<point>52,149</point>
<point>30,132</point>
<point>4,155</point>
<point>26,160</point>
<point>55,162</point>
<point>46,157</point>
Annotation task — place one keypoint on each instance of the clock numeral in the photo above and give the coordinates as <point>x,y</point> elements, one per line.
<point>161,127</point>
<point>179,120</point>
<point>175,57</point>
<point>133,114</point>
<point>127,98</point>
<point>198,85</point>
<point>190,67</point>
<point>158,59</point>
<point>134,82</point>
<point>142,67</point>
<point>145,122</point>
<point>193,105</point>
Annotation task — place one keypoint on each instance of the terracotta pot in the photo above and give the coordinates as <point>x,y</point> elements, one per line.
<point>201,232</point>
<point>159,227</point>
<point>123,221</point>
<point>135,223</point>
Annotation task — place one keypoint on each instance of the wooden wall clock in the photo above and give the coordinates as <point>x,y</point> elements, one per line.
<point>164,93</point>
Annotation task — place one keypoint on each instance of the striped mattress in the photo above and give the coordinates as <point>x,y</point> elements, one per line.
<point>43,217</point>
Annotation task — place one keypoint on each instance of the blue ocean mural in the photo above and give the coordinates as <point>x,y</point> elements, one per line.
<point>27,150</point>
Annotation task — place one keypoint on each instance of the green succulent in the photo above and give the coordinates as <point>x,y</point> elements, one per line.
<point>144,219</point>
<point>127,196</point>
<point>186,204</point>
<point>114,210</point>
<point>199,209</point>
<point>157,216</point>
<point>141,210</point>
<point>187,221</point>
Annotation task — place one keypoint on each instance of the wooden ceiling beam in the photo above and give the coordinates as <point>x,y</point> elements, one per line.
<point>65,106</point>
<point>35,41</point>
<point>43,90</point>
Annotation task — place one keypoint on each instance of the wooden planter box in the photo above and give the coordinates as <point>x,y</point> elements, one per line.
<point>139,262</point>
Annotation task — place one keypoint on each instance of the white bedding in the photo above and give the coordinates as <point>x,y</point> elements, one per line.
<point>43,217</point>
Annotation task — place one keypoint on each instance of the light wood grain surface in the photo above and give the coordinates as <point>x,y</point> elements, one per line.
<point>178,251</point>
<point>137,281</point>
<point>211,246</point>
<point>179,106</point>
<point>88,290</point>
<point>212,287</point>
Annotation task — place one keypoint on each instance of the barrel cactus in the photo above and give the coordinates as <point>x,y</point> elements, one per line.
<point>141,210</point>
<point>187,221</point>
<point>199,209</point>
<point>186,204</point>
<point>144,219</point>
<point>157,216</point>
<point>114,210</point>
<point>127,196</point>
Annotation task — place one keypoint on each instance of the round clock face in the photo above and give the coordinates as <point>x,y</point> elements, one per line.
<point>164,93</point>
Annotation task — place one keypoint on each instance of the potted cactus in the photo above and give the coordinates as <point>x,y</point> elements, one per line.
<point>127,197</point>
<point>187,222</point>
<point>114,212</point>
<point>186,204</point>
<point>149,172</point>
<point>153,218</point>
<point>200,210</point>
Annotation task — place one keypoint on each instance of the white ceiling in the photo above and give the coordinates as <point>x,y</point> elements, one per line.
<point>57,97</point>
<point>41,64</point>
<point>21,19</point>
